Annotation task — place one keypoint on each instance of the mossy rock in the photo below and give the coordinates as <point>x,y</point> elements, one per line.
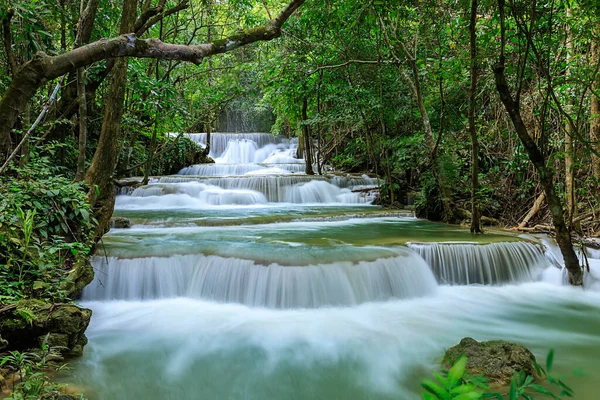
<point>497,360</point>
<point>26,325</point>
<point>81,275</point>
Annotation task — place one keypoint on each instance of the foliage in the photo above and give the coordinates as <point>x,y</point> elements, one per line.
<point>458,384</point>
<point>45,227</point>
<point>30,372</point>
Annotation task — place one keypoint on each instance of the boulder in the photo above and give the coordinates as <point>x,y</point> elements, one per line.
<point>497,360</point>
<point>120,223</point>
<point>81,275</point>
<point>29,323</point>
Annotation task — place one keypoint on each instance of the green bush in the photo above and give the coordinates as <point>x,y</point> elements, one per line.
<point>46,226</point>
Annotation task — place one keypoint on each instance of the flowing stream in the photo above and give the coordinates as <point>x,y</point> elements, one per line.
<point>247,279</point>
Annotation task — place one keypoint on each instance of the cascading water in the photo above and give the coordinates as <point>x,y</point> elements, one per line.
<point>232,280</point>
<point>464,264</point>
<point>249,268</point>
<point>252,168</point>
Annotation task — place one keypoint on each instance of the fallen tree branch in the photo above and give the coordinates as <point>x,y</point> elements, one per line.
<point>537,204</point>
<point>34,125</point>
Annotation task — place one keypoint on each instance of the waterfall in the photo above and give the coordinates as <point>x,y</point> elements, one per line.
<point>290,188</point>
<point>211,170</point>
<point>220,141</point>
<point>233,280</point>
<point>494,263</point>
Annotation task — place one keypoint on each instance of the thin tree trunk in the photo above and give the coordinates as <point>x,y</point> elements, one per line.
<point>438,174</point>
<point>475,200</point>
<point>595,111</point>
<point>569,140</point>
<point>151,151</point>
<point>99,176</point>
<point>208,77</point>
<point>7,40</point>
<point>25,148</point>
<point>546,173</point>
<point>319,127</point>
<point>82,125</point>
<point>307,140</point>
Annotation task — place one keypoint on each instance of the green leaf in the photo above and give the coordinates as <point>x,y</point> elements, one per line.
<point>464,388</point>
<point>512,394</point>
<point>457,371</point>
<point>468,396</point>
<point>434,388</point>
<point>549,360</point>
<point>542,390</point>
<point>37,285</point>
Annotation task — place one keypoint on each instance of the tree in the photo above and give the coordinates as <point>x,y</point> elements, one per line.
<point>545,171</point>
<point>475,207</point>
<point>43,68</point>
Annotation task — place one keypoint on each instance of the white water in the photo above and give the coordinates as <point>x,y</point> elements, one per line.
<point>309,309</point>
<point>464,264</point>
<point>231,280</point>
<point>238,169</point>
<point>249,169</point>
<point>183,348</point>
<point>220,141</point>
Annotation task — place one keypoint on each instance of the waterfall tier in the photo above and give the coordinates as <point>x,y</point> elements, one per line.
<point>241,169</point>
<point>233,280</point>
<point>494,263</point>
<point>220,141</point>
<point>249,190</point>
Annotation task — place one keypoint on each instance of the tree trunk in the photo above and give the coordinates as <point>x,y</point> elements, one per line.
<point>307,140</point>
<point>546,174</point>
<point>595,111</point>
<point>99,176</point>
<point>319,127</point>
<point>82,125</point>
<point>7,40</point>
<point>569,140</point>
<point>475,200</point>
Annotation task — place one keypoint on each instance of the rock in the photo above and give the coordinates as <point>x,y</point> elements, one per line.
<point>81,275</point>
<point>120,223</point>
<point>54,340</point>
<point>3,343</point>
<point>497,360</point>
<point>26,326</point>
<point>54,358</point>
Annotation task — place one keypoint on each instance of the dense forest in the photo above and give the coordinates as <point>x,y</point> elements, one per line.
<point>469,112</point>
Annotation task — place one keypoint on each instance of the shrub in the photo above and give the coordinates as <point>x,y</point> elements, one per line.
<point>46,226</point>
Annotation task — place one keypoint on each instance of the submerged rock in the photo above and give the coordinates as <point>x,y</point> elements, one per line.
<point>31,322</point>
<point>497,360</point>
<point>120,223</point>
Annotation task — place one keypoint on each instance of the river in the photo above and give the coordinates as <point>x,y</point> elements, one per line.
<point>247,279</point>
